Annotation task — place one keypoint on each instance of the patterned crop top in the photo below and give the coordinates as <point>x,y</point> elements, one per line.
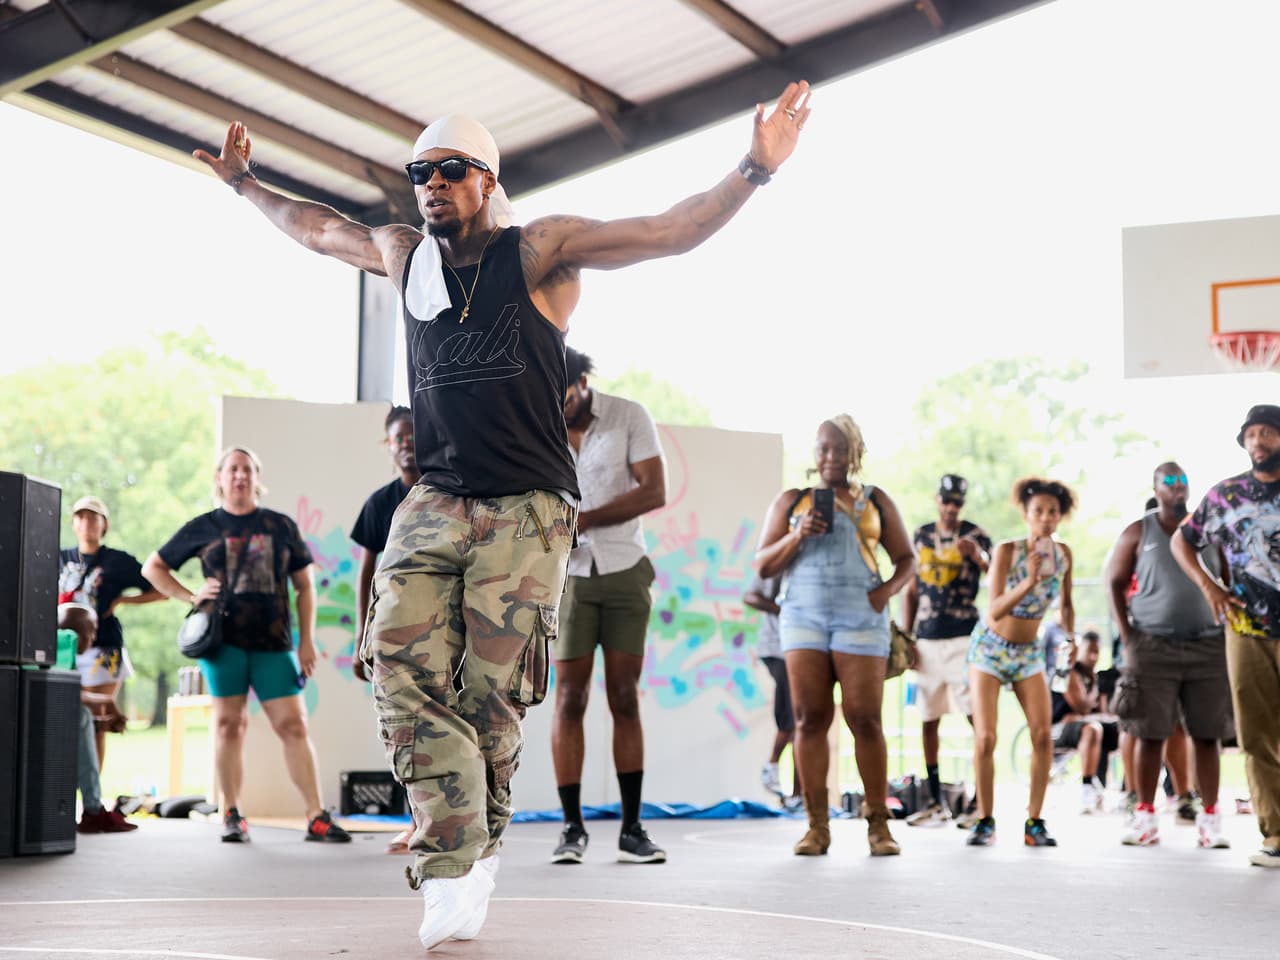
<point>1036,603</point>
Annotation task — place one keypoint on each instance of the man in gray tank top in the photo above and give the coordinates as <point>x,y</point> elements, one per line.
<point>1174,658</point>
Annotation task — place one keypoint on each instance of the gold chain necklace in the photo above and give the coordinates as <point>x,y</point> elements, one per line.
<point>466,307</point>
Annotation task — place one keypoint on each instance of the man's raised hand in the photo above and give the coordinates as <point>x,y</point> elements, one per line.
<point>233,161</point>
<point>774,137</point>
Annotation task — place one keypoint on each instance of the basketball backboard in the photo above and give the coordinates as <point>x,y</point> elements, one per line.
<point>1184,282</point>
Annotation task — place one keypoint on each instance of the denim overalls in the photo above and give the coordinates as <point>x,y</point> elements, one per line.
<point>824,593</point>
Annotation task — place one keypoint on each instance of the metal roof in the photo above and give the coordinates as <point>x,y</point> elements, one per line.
<point>335,91</point>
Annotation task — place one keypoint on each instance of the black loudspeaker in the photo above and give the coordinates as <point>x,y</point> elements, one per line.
<point>48,733</point>
<point>29,515</point>
<point>8,758</point>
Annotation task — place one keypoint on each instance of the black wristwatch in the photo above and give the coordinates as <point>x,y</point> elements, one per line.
<point>239,179</point>
<point>753,173</point>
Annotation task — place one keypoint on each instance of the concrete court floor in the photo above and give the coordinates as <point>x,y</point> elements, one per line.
<point>731,889</point>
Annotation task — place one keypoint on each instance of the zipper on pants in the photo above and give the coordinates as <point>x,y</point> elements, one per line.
<point>537,525</point>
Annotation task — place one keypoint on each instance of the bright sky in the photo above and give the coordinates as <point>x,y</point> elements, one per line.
<point>959,203</point>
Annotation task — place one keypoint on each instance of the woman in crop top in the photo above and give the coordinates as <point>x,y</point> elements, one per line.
<point>1027,576</point>
<point>834,621</point>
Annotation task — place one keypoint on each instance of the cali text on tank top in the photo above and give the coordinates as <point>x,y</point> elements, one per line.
<point>488,394</point>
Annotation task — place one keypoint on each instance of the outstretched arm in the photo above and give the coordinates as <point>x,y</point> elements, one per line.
<point>381,250</point>
<point>559,243</point>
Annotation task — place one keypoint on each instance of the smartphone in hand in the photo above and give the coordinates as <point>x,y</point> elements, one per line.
<point>1049,561</point>
<point>824,505</point>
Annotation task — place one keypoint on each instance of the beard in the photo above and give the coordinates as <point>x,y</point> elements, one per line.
<point>1269,465</point>
<point>1179,509</point>
<point>442,231</point>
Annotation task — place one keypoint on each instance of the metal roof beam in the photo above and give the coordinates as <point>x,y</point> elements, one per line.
<point>298,78</point>
<point>47,40</point>
<point>836,54</point>
<point>197,98</point>
<point>607,104</point>
<point>138,132</point>
<point>746,31</point>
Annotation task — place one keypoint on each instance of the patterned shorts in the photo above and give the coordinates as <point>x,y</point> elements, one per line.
<point>1008,662</point>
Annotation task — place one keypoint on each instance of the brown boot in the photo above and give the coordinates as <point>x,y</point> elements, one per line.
<point>878,836</point>
<point>818,837</point>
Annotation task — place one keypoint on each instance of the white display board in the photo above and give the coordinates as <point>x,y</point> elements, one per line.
<point>705,701</point>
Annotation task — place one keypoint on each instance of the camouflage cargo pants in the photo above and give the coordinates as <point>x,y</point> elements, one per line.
<point>465,602</point>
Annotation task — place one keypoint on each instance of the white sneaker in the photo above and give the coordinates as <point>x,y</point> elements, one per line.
<point>471,929</point>
<point>1143,830</point>
<point>1209,828</point>
<point>450,904</point>
<point>769,779</point>
<point>934,815</point>
<point>1090,799</point>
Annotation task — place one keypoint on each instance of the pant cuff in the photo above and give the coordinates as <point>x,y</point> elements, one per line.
<point>435,869</point>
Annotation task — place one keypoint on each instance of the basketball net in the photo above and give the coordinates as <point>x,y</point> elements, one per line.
<point>1247,350</point>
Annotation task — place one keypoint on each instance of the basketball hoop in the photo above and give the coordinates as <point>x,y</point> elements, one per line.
<point>1247,350</point>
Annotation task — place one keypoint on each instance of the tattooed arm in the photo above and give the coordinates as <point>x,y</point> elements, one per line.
<point>552,245</point>
<point>380,250</point>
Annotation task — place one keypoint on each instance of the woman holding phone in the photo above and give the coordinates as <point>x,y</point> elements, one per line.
<point>834,620</point>
<point>1026,576</point>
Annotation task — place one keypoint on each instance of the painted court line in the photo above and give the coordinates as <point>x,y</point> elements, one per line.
<point>909,931</point>
<point>99,952</point>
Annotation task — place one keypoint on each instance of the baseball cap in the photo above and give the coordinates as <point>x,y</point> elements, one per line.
<point>1260,413</point>
<point>952,486</point>
<point>92,504</point>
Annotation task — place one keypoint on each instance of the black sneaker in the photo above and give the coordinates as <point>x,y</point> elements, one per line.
<point>322,828</point>
<point>1034,834</point>
<point>634,846</point>
<point>983,833</point>
<point>235,828</point>
<point>573,844</point>
<point>1187,809</point>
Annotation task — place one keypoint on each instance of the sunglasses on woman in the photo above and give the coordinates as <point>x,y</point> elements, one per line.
<point>452,169</point>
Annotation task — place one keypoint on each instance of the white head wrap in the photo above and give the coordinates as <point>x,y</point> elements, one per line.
<point>425,292</point>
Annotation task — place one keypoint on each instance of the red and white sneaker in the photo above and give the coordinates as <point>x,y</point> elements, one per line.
<point>1143,830</point>
<point>1209,829</point>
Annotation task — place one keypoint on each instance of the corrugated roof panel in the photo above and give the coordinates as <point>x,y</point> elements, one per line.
<point>799,20</point>
<point>409,62</point>
<point>640,51</point>
<point>227,79</point>
<point>210,130</point>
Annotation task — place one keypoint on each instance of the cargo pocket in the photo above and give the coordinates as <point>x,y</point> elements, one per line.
<point>529,681</point>
<point>399,737</point>
<point>1127,704</point>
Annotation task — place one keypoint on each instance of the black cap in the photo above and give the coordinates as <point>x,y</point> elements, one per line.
<point>1261,413</point>
<point>952,487</point>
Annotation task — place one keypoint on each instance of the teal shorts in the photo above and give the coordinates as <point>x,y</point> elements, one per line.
<point>232,671</point>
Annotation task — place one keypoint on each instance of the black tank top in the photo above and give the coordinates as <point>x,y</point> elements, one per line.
<point>488,395</point>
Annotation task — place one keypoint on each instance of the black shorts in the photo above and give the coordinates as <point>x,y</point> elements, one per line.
<point>1069,737</point>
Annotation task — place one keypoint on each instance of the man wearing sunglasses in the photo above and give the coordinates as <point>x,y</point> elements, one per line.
<point>1241,515</point>
<point>470,580</point>
<point>1174,662</point>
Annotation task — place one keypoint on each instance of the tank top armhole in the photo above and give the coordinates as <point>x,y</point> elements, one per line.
<point>408,262</point>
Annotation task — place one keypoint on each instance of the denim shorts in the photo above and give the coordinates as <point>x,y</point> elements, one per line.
<point>1007,662</point>
<point>863,633</point>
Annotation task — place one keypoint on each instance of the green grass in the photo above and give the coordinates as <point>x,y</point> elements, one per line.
<point>138,760</point>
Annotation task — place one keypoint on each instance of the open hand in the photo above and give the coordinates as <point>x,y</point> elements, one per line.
<point>233,161</point>
<point>212,587</point>
<point>1221,601</point>
<point>775,136</point>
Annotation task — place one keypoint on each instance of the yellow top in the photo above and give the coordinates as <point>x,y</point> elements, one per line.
<point>868,527</point>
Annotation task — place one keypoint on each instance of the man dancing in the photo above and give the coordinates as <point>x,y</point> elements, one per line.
<point>470,581</point>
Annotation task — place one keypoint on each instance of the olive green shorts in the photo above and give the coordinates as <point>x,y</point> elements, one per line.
<point>605,609</point>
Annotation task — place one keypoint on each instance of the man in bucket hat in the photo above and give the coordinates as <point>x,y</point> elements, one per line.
<point>469,585</point>
<point>1241,515</point>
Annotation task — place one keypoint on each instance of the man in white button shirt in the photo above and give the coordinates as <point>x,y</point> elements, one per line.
<point>622,475</point>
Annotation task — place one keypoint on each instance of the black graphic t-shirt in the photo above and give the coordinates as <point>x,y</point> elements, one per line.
<point>947,581</point>
<point>258,612</point>
<point>98,579</point>
<point>374,522</point>
<point>488,394</point>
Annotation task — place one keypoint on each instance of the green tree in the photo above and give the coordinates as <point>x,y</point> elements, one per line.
<point>135,427</point>
<point>665,402</point>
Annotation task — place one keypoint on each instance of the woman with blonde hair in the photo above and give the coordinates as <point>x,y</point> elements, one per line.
<point>834,620</point>
<point>253,554</point>
<point>1027,575</point>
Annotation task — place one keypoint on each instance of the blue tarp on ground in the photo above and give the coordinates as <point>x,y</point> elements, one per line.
<point>724,810</point>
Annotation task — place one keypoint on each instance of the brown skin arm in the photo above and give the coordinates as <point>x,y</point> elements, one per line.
<point>1066,605</point>
<point>778,545</point>
<point>364,584</point>
<point>553,249</point>
<point>910,604</point>
<point>758,601</point>
<point>897,543</point>
<point>1118,574</point>
<point>649,493</point>
<point>305,596</point>
<point>1077,697</point>
<point>379,250</point>
<point>1001,599</point>
<point>134,599</point>
<point>1220,600</point>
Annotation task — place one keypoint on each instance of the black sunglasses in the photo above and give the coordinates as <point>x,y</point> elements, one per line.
<point>451,168</point>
